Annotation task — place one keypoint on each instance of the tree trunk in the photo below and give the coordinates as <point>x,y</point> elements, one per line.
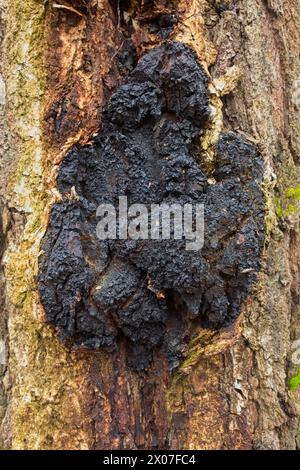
<point>236,387</point>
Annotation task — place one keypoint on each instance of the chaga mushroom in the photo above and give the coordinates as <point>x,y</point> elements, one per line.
<point>95,290</point>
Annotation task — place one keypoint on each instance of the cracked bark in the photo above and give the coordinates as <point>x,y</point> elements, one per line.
<point>59,69</point>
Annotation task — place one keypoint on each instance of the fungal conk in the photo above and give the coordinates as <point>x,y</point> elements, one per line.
<point>151,292</point>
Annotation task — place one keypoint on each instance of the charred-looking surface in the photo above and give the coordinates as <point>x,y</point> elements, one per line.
<point>94,291</point>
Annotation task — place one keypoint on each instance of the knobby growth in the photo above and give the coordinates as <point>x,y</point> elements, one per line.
<point>152,293</point>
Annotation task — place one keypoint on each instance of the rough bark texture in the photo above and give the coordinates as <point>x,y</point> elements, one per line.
<point>59,66</point>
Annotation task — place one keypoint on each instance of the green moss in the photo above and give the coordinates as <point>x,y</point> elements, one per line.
<point>295,381</point>
<point>288,203</point>
<point>293,193</point>
<point>278,208</point>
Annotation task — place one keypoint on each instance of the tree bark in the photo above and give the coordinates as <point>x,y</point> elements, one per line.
<point>59,65</point>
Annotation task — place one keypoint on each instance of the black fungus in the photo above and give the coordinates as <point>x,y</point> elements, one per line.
<point>96,291</point>
<point>163,25</point>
